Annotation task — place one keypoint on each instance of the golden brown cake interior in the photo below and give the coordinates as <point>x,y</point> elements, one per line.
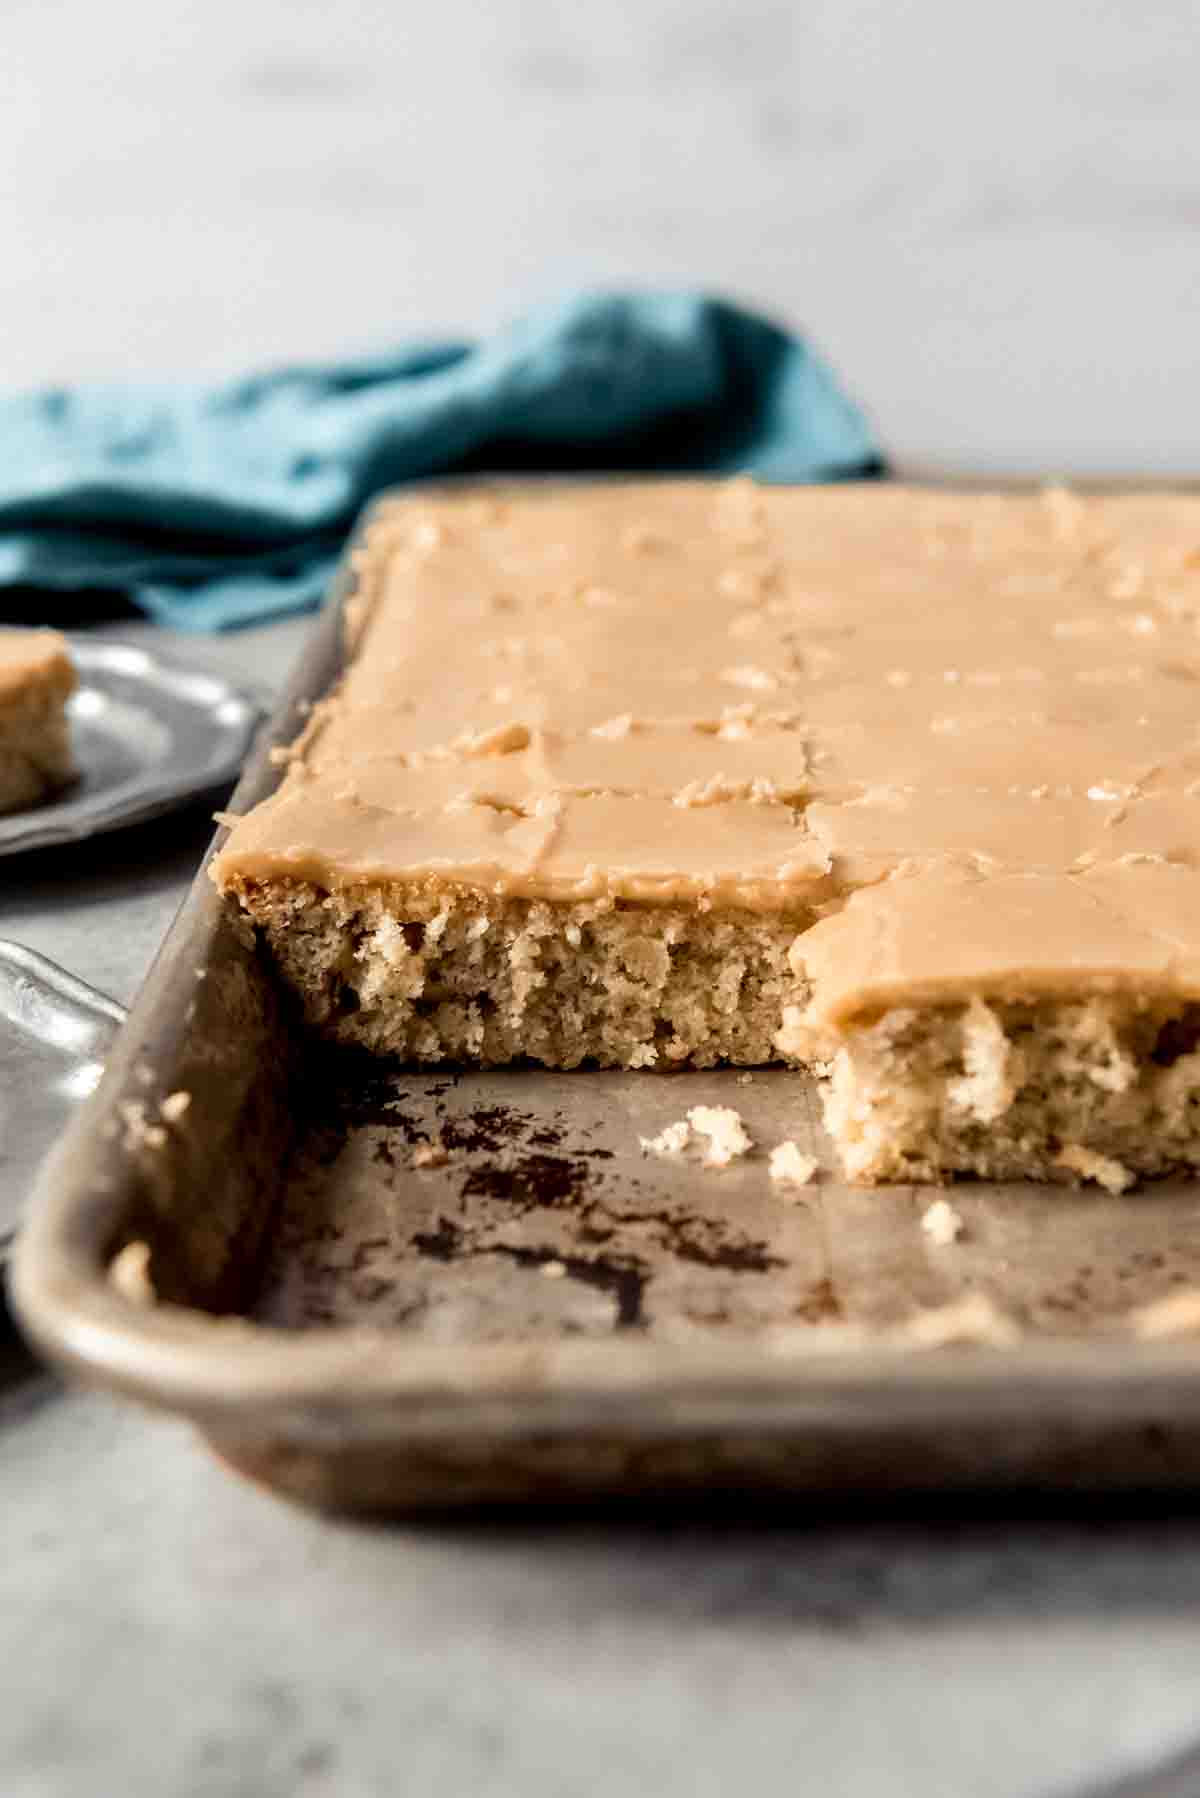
<point>36,680</point>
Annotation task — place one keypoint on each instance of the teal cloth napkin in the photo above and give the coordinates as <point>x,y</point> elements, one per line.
<point>220,505</point>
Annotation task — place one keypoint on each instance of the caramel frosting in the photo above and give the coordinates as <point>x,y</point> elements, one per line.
<point>34,659</point>
<point>950,933</point>
<point>975,717</point>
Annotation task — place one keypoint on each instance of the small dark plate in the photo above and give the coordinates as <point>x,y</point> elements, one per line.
<point>148,735</point>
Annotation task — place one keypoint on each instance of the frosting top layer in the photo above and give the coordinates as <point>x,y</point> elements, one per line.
<point>773,698</point>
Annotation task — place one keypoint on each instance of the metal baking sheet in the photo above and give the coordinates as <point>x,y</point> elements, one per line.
<point>150,735</point>
<point>550,1313</point>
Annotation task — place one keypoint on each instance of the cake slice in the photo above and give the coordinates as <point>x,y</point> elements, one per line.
<point>900,785</point>
<point>36,680</point>
<point>554,810</point>
<point>1022,1026</point>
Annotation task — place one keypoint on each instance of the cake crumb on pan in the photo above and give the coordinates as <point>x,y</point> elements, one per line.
<point>430,1154</point>
<point>129,1274</point>
<point>718,1125</point>
<point>139,1132</point>
<point>790,1166</point>
<point>727,1136</point>
<point>972,1321</point>
<point>942,1223</point>
<point>671,1140</point>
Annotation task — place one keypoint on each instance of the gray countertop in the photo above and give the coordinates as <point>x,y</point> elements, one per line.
<point>987,216</point>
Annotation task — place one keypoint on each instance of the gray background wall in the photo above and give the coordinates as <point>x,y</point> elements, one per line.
<point>986,213</point>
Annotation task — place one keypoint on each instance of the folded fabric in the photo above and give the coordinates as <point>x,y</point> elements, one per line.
<point>219,505</point>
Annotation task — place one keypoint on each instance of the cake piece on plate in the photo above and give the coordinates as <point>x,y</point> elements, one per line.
<point>36,681</point>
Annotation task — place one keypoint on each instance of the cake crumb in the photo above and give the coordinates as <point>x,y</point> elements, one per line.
<point>1113,1175</point>
<point>745,1079</point>
<point>727,1135</point>
<point>430,1154</point>
<point>714,791</point>
<point>129,1274</point>
<point>672,1140</point>
<point>139,1132</point>
<point>553,1270</point>
<point>174,1106</point>
<point>1168,1319</point>
<point>790,1166</point>
<point>942,1223</point>
<point>971,1321</point>
<point>722,1126</point>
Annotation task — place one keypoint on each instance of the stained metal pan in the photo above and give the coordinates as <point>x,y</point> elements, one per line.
<point>551,1314</point>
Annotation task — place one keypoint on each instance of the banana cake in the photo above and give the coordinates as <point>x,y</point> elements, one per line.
<point>901,785</point>
<point>36,680</point>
